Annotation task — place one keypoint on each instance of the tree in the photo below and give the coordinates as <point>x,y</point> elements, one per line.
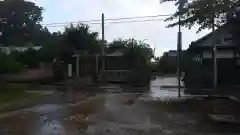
<point>118,44</point>
<point>79,39</point>
<point>132,49</point>
<point>233,20</point>
<point>202,12</point>
<point>52,47</point>
<point>20,22</point>
<point>167,64</point>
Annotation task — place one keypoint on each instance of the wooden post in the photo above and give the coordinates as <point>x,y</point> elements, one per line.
<point>77,66</point>
<point>214,50</point>
<point>69,70</point>
<point>179,51</point>
<point>103,45</point>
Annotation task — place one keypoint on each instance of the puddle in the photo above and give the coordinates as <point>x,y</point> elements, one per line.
<point>52,128</point>
<point>45,108</point>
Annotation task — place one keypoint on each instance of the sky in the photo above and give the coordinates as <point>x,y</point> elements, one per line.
<point>154,33</point>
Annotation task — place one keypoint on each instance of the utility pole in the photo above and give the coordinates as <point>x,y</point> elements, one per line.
<point>179,50</point>
<point>103,46</point>
<point>214,50</point>
<point>179,47</point>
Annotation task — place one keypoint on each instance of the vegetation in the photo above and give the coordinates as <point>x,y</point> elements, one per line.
<point>29,58</point>
<point>167,65</point>
<point>20,23</point>
<point>9,65</point>
<point>202,12</point>
<point>21,26</point>
<point>79,39</point>
<point>14,96</point>
<point>138,57</point>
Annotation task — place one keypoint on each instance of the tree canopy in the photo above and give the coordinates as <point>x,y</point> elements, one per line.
<point>76,39</point>
<point>202,12</point>
<point>20,22</point>
<point>138,50</point>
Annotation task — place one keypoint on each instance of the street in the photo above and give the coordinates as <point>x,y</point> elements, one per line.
<point>111,111</point>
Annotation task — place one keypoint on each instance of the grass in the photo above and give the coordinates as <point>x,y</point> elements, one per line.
<point>14,96</point>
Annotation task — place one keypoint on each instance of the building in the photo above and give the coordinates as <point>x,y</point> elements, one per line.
<point>117,68</point>
<point>10,49</point>
<point>201,67</point>
<point>170,53</point>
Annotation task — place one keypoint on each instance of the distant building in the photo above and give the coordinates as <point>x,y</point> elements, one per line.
<point>10,49</point>
<point>171,53</point>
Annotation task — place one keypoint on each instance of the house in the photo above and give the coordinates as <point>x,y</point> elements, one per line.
<point>200,72</point>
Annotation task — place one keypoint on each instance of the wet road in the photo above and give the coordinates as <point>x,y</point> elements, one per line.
<point>112,112</point>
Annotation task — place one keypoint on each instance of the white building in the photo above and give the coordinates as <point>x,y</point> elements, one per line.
<point>10,49</point>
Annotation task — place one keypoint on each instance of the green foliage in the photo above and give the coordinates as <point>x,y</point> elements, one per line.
<point>138,56</point>
<point>9,65</point>
<point>20,22</point>
<point>78,39</point>
<point>52,48</point>
<point>116,45</point>
<point>202,12</point>
<point>167,65</point>
<point>137,52</point>
<point>30,57</point>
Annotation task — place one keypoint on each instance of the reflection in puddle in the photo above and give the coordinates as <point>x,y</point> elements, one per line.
<point>45,108</point>
<point>164,94</point>
<point>52,128</point>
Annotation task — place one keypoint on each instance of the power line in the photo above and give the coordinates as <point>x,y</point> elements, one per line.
<point>117,22</point>
<point>137,17</point>
<point>110,19</point>
<point>146,20</point>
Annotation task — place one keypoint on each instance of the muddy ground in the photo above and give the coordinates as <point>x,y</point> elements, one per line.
<point>113,110</point>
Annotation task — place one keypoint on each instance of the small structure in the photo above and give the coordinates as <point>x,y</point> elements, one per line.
<point>83,64</point>
<point>116,67</point>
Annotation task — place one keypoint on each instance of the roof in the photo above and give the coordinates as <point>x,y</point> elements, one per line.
<point>115,54</point>
<point>209,34</point>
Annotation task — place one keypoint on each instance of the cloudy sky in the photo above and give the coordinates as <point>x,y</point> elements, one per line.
<point>154,33</point>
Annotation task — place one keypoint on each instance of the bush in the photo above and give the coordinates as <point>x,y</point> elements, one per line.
<point>29,57</point>
<point>140,75</point>
<point>9,65</point>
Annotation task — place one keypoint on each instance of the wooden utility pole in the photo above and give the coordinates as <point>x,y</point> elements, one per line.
<point>103,46</point>
<point>214,50</point>
<point>179,47</point>
<point>179,51</point>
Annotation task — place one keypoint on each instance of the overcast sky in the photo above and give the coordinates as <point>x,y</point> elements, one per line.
<point>156,33</point>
